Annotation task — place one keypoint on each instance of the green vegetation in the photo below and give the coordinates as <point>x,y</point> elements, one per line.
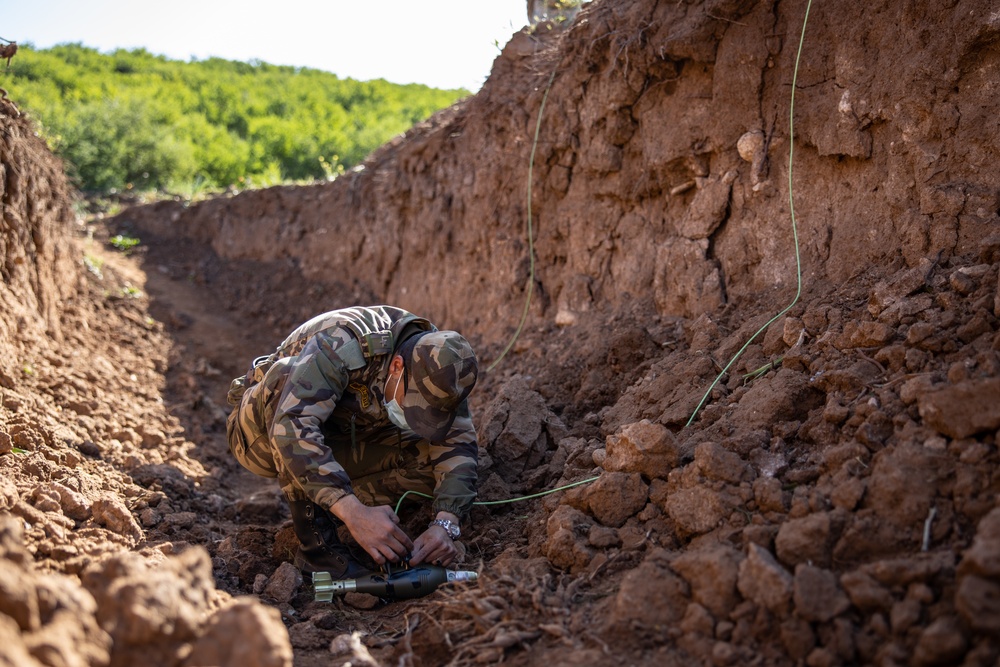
<point>124,243</point>
<point>557,11</point>
<point>132,120</point>
<point>94,265</point>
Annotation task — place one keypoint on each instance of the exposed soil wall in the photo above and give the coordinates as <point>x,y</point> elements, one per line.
<point>36,214</point>
<point>833,501</point>
<point>85,439</point>
<point>640,192</point>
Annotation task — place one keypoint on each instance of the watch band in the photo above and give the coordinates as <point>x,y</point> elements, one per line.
<point>454,532</point>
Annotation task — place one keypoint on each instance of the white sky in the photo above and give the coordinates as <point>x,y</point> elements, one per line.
<point>441,43</point>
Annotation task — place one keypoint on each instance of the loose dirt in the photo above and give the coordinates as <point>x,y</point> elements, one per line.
<point>833,500</point>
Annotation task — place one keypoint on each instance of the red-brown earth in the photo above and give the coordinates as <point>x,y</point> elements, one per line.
<point>833,501</point>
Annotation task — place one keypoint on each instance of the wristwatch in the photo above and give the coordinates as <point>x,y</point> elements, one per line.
<point>454,532</point>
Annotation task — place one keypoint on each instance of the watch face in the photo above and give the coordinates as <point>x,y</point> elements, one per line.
<point>452,529</point>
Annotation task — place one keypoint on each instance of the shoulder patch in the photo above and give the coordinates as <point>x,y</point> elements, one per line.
<point>363,395</point>
<point>352,355</point>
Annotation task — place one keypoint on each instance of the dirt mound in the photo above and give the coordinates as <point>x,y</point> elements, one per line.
<point>834,498</point>
<point>97,476</point>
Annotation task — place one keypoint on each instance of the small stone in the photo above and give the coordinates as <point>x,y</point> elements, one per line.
<point>806,539</point>
<point>112,513</point>
<point>603,537</point>
<point>245,633</point>
<point>616,496</point>
<point>941,643</point>
<point>645,447</point>
<point>712,574</point>
<point>817,595</point>
<point>565,318</point>
<point>724,653</point>
<point>962,410</point>
<point>180,520</point>
<point>764,581</point>
<point>899,287</point>
<point>792,331</point>
<point>361,600</point>
<point>152,438</point>
<point>903,615</point>
<point>962,282</point>
<point>284,583</point>
<point>750,144</point>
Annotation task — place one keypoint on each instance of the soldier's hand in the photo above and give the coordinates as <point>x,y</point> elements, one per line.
<point>376,529</point>
<point>434,546</point>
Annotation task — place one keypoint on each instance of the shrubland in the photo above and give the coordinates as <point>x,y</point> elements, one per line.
<point>132,120</point>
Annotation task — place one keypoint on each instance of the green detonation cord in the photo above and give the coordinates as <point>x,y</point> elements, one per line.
<point>501,502</point>
<point>531,240</point>
<point>795,231</point>
<point>531,254</point>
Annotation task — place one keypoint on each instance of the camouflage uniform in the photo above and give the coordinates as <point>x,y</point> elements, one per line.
<point>312,414</point>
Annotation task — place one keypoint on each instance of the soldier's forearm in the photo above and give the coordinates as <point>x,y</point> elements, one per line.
<point>347,508</point>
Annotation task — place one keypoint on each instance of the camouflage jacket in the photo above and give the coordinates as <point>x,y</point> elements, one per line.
<point>337,364</point>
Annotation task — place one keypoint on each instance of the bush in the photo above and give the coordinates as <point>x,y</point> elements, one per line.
<point>114,144</point>
<point>132,119</point>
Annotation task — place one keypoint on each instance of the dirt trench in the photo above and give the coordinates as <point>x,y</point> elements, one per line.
<point>833,500</point>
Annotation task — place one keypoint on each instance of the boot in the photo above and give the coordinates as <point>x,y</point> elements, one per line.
<point>320,548</point>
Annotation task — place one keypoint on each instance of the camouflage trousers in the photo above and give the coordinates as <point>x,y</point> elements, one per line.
<point>382,465</point>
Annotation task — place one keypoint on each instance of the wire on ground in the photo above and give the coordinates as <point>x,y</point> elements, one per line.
<point>795,232</point>
<point>531,241</point>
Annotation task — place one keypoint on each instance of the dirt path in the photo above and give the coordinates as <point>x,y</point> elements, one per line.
<point>208,308</point>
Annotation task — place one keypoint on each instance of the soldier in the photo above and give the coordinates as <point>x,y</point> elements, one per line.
<point>356,407</point>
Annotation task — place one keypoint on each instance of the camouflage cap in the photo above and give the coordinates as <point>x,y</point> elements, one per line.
<point>443,370</point>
